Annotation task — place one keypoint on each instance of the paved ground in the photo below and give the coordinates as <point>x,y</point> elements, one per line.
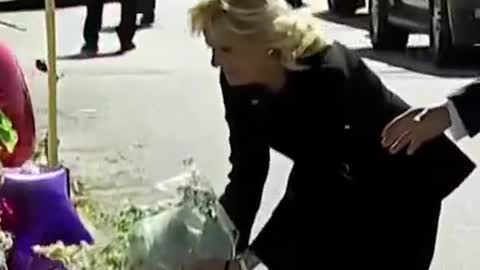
<point>127,122</point>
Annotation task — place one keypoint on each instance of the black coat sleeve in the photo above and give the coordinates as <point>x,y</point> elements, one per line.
<point>250,159</point>
<point>467,103</point>
<point>435,170</point>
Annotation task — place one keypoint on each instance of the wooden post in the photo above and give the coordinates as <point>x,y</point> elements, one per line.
<point>52,83</point>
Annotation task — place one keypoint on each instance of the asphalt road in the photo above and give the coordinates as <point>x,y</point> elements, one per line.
<point>126,122</point>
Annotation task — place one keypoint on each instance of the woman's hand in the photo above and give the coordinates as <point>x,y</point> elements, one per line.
<point>414,128</point>
<point>211,265</point>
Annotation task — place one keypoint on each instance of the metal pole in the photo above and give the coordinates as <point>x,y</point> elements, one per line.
<point>52,83</point>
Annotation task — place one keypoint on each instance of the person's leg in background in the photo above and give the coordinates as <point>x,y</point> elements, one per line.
<point>148,11</point>
<point>128,25</point>
<point>295,3</point>
<point>92,26</point>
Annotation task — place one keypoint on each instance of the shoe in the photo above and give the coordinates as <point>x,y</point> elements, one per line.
<point>125,45</point>
<point>147,19</point>
<point>89,50</point>
<point>128,46</point>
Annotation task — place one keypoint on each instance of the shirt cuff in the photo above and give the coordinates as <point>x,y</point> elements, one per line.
<point>457,127</point>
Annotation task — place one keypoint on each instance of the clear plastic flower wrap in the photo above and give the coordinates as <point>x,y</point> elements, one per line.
<point>195,226</point>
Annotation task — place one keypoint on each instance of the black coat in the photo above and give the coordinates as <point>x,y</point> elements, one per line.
<point>369,209</point>
<point>467,103</point>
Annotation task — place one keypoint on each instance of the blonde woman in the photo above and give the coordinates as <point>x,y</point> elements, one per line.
<point>349,203</point>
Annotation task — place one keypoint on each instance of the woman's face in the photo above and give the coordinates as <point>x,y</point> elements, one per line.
<point>242,59</point>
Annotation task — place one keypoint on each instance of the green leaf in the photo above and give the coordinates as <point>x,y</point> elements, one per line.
<point>8,135</point>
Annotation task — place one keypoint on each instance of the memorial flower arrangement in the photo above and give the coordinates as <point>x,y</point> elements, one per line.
<point>34,208</point>
<point>188,225</point>
<point>109,254</point>
<point>8,141</point>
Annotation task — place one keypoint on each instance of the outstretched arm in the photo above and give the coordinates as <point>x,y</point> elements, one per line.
<point>460,114</point>
<point>250,159</point>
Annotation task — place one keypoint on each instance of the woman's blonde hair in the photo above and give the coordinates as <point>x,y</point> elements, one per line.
<point>290,34</point>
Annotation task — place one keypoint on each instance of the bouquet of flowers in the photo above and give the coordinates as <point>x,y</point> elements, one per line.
<point>35,209</point>
<point>8,141</point>
<point>195,227</point>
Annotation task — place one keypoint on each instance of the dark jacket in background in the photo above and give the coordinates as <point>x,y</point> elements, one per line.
<point>467,103</point>
<point>349,204</point>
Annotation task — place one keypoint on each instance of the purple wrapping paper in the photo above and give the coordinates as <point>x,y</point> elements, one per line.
<point>25,260</point>
<point>45,215</point>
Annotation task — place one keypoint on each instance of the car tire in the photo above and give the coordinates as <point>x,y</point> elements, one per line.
<point>345,8</point>
<point>441,44</point>
<point>383,34</point>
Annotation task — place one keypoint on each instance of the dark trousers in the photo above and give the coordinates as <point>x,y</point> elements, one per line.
<point>331,228</point>
<point>147,7</point>
<point>93,22</point>
<point>295,3</point>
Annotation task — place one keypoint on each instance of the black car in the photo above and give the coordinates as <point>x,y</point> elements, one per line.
<point>345,7</point>
<point>453,25</point>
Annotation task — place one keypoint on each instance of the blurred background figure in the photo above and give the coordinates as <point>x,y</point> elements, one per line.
<point>147,9</point>
<point>296,3</point>
<point>93,25</point>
